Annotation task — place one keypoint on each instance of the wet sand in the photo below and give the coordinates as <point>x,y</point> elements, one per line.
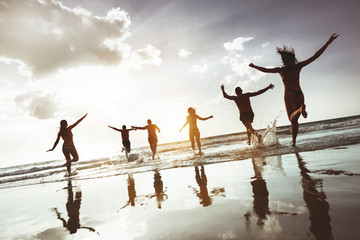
<point>306,195</point>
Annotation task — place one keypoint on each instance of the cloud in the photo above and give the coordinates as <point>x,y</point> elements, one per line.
<point>146,56</point>
<point>237,44</point>
<point>37,104</point>
<point>265,45</point>
<point>183,53</point>
<point>47,36</point>
<point>200,68</point>
<point>241,74</point>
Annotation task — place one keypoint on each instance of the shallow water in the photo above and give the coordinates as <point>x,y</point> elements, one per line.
<point>231,147</point>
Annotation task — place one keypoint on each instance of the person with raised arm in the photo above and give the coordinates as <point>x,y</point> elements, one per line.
<point>68,148</point>
<point>290,75</point>
<point>152,137</point>
<point>125,138</point>
<point>242,101</point>
<point>194,132</point>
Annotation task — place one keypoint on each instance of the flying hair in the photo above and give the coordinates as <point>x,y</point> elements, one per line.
<point>287,55</point>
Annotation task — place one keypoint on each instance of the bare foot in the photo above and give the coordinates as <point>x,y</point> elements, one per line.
<point>249,141</point>
<point>259,137</point>
<point>303,111</point>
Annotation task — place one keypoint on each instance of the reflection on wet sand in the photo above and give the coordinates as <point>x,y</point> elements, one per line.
<point>261,194</point>
<point>316,202</point>
<point>73,210</point>
<point>131,191</point>
<point>159,189</point>
<point>203,194</point>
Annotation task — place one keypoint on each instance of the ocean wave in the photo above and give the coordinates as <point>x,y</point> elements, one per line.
<point>232,147</point>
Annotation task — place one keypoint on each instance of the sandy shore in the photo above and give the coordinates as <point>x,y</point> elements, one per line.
<point>309,195</point>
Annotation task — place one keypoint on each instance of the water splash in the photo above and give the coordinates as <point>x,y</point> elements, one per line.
<point>269,137</point>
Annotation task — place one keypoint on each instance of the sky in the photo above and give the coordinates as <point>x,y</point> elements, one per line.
<point>124,62</point>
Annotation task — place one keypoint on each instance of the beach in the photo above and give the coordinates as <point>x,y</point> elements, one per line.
<point>233,191</point>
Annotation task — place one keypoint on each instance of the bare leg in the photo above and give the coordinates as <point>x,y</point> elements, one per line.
<point>192,140</point>
<point>303,111</point>
<point>292,103</point>
<point>153,149</point>
<point>294,131</point>
<point>68,160</point>
<point>294,122</point>
<point>74,154</point>
<point>250,130</point>
<point>68,165</point>
<point>198,144</point>
<point>249,136</point>
<point>197,136</point>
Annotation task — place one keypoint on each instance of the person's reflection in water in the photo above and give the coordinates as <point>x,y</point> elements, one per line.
<point>261,194</point>
<point>159,189</point>
<point>131,190</point>
<point>203,194</point>
<point>73,209</point>
<point>316,202</point>
<point>201,180</point>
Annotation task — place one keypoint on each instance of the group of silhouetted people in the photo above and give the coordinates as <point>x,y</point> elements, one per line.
<point>294,103</point>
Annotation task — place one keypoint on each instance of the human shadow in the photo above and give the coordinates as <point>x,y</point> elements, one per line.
<point>316,202</point>
<point>73,210</point>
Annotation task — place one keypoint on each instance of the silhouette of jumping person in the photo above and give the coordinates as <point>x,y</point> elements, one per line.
<point>73,210</point>
<point>194,132</point>
<point>242,101</point>
<point>125,138</point>
<point>290,75</point>
<point>152,137</point>
<point>68,146</point>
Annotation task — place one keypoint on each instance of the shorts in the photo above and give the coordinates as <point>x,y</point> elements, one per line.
<point>126,145</point>
<point>247,116</point>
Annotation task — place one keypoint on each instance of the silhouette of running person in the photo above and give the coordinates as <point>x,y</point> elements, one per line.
<point>125,138</point>
<point>152,137</point>
<point>242,101</point>
<point>194,132</point>
<point>68,146</point>
<point>290,75</point>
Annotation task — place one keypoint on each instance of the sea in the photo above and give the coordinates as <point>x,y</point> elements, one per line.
<point>333,133</point>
